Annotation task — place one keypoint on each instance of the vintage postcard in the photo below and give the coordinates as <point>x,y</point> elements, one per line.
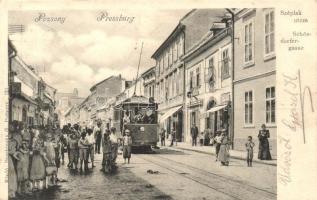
<point>210,100</point>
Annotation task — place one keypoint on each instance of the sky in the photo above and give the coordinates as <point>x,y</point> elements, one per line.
<point>82,50</point>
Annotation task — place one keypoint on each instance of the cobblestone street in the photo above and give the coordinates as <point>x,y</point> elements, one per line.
<point>180,175</point>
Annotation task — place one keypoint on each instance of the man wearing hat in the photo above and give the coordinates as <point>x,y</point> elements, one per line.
<point>98,135</point>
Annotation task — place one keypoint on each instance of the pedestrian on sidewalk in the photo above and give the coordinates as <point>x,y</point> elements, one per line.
<point>249,147</point>
<point>194,134</point>
<point>83,151</point>
<point>264,146</point>
<point>98,135</point>
<point>217,140</point>
<point>162,135</point>
<point>127,143</point>
<point>172,135</point>
<point>224,149</point>
<point>91,148</point>
<point>201,138</point>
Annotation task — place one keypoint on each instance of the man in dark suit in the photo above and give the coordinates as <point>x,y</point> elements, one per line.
<point>194,134</point>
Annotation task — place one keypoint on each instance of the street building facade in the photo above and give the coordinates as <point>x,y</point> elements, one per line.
<point>208,82</point>
<point>149,82</point>
<point>101,93</point>
<point>254,76</point>
<point>170,69</point>
<point>32,100</point>
<point>64,101</point>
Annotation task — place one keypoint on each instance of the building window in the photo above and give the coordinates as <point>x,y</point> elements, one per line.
<point>191,80</point>
<point>162,91</point>
<point>210,77</point>
<point>220,120</point>
<point>175,83</point>
<point>174,51</point>
<point>170,56</point>
<point>248,108</point>
<point>150,91</point>
<point>181,46</point>
<point>270,105</point>
<point>181,79</point>
<point>172,84</point>
<point>248,42</point>
<point>160,65</point>
<point>269,32</point>
<point>177,49</point>
<point>198,76</point>
<point>225,64</point>
<point>166,60</point>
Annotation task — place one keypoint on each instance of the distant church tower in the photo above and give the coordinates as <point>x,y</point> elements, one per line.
<point>75,92</point>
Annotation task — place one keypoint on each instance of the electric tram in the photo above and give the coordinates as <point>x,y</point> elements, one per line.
<point>139,115</point>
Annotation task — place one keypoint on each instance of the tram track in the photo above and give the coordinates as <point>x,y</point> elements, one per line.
<point>232,188</point>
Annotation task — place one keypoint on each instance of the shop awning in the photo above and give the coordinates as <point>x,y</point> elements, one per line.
<point>216,108</point>
<point>169,113</point>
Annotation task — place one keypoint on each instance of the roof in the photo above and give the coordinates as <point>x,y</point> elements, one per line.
<point>207,41</point>
<point>179,28</point>
<point>133,100</point>
<point>94,86</point>
<point>148,71</point>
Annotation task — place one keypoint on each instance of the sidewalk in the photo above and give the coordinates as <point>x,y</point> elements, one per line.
<point>241,155</point>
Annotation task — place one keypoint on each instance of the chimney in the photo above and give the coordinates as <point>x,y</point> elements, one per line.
<point>217,26</point>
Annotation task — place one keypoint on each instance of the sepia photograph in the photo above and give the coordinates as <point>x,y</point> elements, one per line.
<point>142,104</point>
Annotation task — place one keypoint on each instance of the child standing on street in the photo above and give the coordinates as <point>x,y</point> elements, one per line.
<point>83,151</point>
<point>127,143</point>
<point>249,147</point>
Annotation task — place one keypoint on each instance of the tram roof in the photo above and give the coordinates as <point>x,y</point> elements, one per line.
<point>135,100</point>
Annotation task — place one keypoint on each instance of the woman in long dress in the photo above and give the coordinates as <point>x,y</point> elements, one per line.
<point>223,155</point>
<point>13,183</point>
<point>23,156</point>
<point>50,165</point>
<point>37,172</point>
<point>264,146</point>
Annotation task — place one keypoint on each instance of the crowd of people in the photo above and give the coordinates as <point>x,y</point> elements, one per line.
<point>222,143</point>
<point>36,153</point>
<point>34,158</point>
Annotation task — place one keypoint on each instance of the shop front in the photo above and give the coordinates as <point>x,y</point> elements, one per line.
<point>173,119</point>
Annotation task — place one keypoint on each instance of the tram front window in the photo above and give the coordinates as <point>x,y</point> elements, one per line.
<point>143,116</point>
